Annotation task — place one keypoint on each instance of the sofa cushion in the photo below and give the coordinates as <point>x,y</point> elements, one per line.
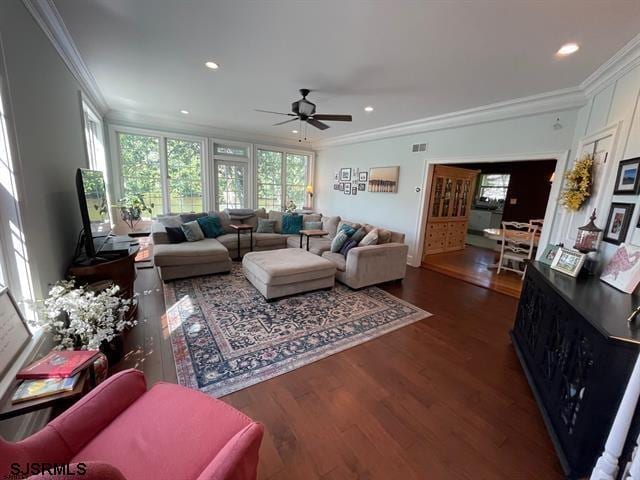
<point>370,238</point>
<point>338,260</point>
<point>266,226</point>
<point>192,231</point>
<point>353,225</point>
<point>230,241</point>
<point>225,221</point>
<point>359,235</point>
<point>277,216</point>
<point>189,253</point>
<point>348,245</point>
<point>190,217</point>
<point>170,220</point>
<point>286,266</point>
<point>312,225</point>
<point>311,217</point>
<point>348,229</point>
<point>317,245</point>
<point>210,226</point>
<point>291,223</point>
<point>269,240</point>
<point>338,241</point>
<point>175,235</point>
<point>330,225</point>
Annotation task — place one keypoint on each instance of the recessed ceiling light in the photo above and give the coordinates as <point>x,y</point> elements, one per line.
<point>184,112</point>
<point>568,49</point>
<point>212,65</point>
<point>294,131</point>
<point>368,108</point>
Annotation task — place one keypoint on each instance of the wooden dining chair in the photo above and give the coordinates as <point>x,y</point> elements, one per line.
<point>518,242</point>
<point>538,222</point>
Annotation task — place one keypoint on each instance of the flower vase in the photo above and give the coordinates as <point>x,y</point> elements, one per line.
<point>113,350</point>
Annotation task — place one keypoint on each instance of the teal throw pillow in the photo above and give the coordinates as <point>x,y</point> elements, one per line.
<point>312,225</point>
<point>266,226</point>
<point>338,241</point>
<point>192,231</point>
<point>359,235</point>
<point>291,223</point>
<point>210,226</point>
<point>349,230</point>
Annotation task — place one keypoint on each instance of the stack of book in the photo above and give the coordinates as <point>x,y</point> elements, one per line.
<point>55,373</point>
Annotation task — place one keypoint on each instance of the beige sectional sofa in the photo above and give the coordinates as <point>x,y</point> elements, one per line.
<point>363,266</point>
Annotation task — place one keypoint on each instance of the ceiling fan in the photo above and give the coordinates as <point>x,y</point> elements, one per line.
<point>305,111</point>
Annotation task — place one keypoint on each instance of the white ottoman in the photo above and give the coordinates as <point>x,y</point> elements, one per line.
<point>278,273</point>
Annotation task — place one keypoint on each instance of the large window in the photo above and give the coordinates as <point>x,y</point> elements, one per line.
<point>184,174</point>
<point>140,168</point>
<point>493,186</point>
<point>94,140</point>
<point>231,185</point>
<point>296,175</point>
<point>282,177</point>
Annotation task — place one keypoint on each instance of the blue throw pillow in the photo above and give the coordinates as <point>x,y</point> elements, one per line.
<point>338,241</point>
<point>348,245</point>
<point>210,226</point>
<point>175,234</point>
<point>349,230</point>
<point>291,223</point>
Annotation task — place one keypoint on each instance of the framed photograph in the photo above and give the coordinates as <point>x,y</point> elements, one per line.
<point>628,179</point>
<point>363,177</point>
<point>14,332</point>
<point>362,186</point>
<point>568,261</point>
<point>623,270</point>
<point>354,190</point>
<point>618,223</point>
<point>347,189</point>
<point>345,174</point>
<point>341,186</point>
<point>335,186</point>
<point>384,179</point>
<point>549,254</point>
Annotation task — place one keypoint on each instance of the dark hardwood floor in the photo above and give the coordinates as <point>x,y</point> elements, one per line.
<point>443,398</point>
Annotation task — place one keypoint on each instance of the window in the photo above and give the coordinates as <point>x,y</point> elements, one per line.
<point>231,185</point>
<point>269,180</point>
<point>184,175</point>
<point>296,175</point>
<point>230,150</point>
<point>94,140</point>
<point>493,186</point>
<point>140,168</point>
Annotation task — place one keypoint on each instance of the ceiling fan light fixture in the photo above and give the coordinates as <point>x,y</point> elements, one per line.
<point>368,109</point>
<point>568,49</point>
<point>212,65</point>
<point>184,112</point>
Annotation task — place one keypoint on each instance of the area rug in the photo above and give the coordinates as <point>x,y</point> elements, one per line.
<point>225,336</point>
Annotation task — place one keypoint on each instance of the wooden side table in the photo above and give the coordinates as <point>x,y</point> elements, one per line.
<point>311,233</point>
<point>243,227</point>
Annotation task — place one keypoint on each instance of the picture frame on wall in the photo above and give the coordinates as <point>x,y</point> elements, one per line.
<point>628,178</point>
<point>347,189</point>
<point>623,270</point>
<point>345,174</point>
<point>568,261</point>
<point>618,223</point>
<point>384,179</point>
<point>362,187</point>
<point>354,190</point>
<point>363,177</point>
<point>336,187</point>
<point>341,186</point>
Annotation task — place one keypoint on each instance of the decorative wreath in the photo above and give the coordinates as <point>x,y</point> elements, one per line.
<point>578,183</point>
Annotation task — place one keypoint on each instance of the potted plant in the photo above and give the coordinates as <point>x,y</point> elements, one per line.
<point>81,319</point>
<point>132,207</point>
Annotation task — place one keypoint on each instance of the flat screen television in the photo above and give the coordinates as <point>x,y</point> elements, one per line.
<point>94,208</point>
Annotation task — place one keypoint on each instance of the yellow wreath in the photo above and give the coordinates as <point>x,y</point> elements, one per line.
<point>578,183</point>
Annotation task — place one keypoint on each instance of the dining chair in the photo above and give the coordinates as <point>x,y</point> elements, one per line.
<point>538,222</point>
<point>518,242</point>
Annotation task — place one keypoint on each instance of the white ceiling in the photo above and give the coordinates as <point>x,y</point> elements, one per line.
<point>409,59</point>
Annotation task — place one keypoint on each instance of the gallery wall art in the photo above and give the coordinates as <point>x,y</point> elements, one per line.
<point>384,179</point>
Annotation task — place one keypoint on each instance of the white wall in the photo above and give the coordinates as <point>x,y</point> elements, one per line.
<point>532,134</point>
<point>46,109</point>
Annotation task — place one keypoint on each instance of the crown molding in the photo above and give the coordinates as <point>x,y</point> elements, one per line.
<point>170,124</point>
<point>624,60</point>
<point>48,18</point>
<point>557,100</point>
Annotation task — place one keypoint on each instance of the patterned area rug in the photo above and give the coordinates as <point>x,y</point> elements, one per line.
<point>226,336</point>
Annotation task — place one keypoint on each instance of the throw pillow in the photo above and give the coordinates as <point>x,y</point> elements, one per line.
<point>291,223</point>
<point>348,245</point>
<point>190,217</point>
<point>277,216</point>
<point>338,241</point>
<point>210,226</point>
<point>170,220</point>
<point>370,238</point>
<point>348,229</point>
<point>312,225</point>
<point>359,235</point>
<point>175,235</point>
<point>330,224</point>
<point>192,231</point>
<point>266,226</point>
<point>384,236</point>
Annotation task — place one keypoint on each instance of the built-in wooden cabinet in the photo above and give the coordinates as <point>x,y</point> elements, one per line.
<point>450,200</point>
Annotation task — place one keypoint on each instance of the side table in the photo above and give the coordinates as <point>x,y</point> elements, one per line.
<point>311,233</point>
<point>242,228</point>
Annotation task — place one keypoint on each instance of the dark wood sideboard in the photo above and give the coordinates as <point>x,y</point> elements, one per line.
<point>577,350</point>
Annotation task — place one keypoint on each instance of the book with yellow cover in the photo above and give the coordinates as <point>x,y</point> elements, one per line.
<point>43,387</point>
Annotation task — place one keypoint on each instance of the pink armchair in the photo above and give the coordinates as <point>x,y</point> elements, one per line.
<point>168,432</point>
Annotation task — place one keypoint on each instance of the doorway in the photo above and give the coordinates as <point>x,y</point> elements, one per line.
<point>504,191</point>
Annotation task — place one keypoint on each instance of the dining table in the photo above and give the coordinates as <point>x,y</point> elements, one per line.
<point>496,234</point>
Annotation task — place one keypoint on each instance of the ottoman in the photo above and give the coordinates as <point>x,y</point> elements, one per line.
<point>278,273</point>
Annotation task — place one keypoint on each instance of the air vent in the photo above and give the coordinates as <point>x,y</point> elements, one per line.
<point>419,147</point>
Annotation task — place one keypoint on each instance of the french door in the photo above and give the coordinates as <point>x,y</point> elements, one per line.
<point>231,184</point>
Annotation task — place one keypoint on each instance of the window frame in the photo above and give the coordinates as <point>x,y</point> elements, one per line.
<point>250,193</point>
<point>481,186</point>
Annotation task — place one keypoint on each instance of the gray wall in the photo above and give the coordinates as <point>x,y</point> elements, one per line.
<point>48,126</point>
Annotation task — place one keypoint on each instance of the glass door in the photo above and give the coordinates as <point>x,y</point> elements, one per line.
<point>231,184</point>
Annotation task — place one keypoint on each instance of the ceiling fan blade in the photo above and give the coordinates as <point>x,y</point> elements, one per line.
<point>286,121</point>
<point>277,113</point>
<point>332,118</point>
<point>317,123</point>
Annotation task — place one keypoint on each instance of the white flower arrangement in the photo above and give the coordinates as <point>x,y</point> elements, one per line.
<point>84,319</point>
